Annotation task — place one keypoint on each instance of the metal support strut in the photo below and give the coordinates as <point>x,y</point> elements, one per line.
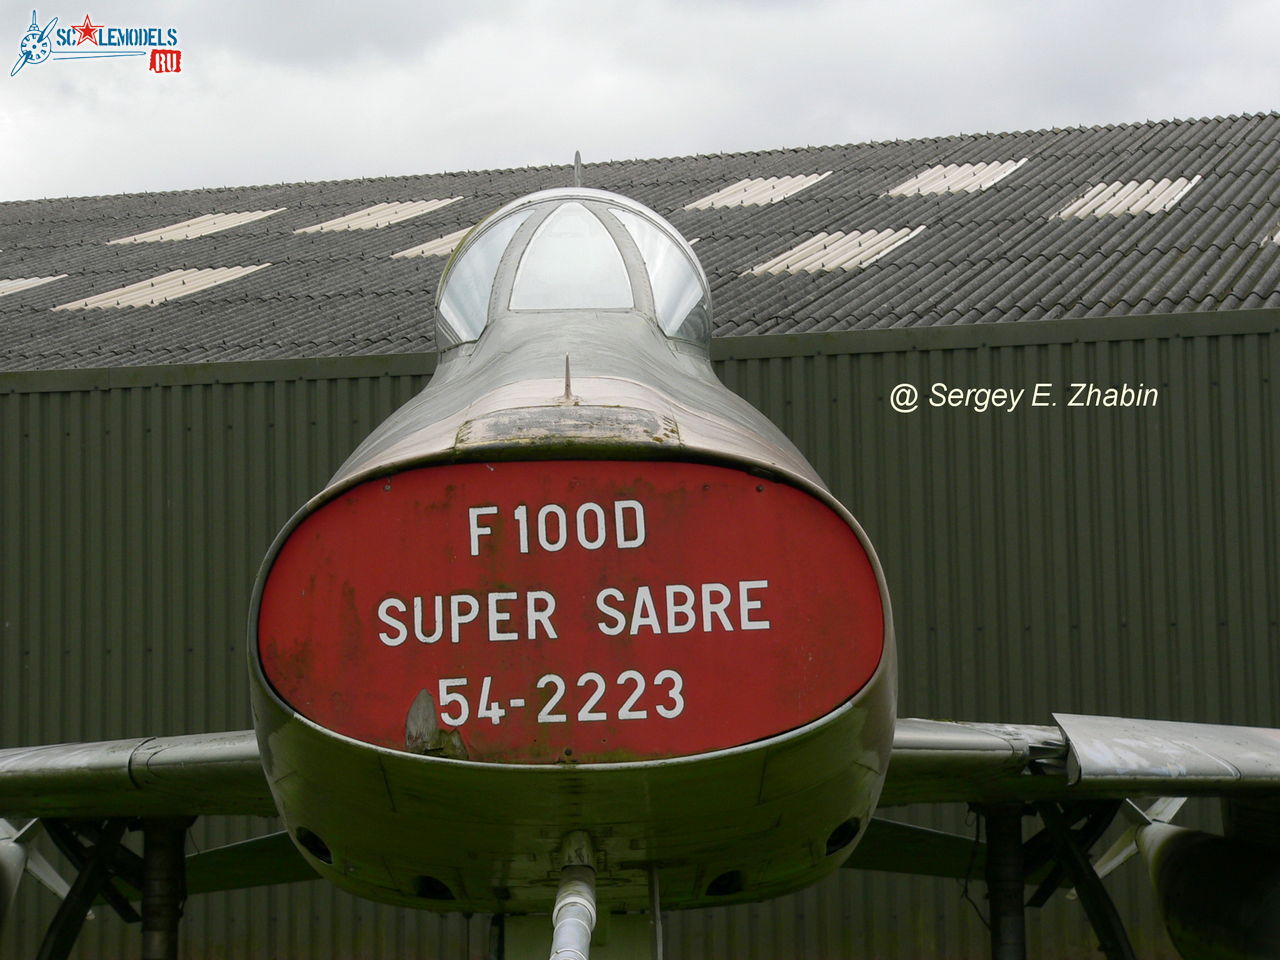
<point>92,880</point>
<point>655,914</point>
<point>164,887</point>
<point>1097,903</point>
<point>1004,881</point>
<point>574,915</point>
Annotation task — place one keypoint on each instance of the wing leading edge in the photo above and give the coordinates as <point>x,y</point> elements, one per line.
<point>933,761</point>
<point>1083,757</point>
<point>211,773</point>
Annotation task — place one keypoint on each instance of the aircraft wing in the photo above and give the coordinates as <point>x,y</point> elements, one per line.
<point>933,761</point>
<point>211,773</point>
<point>1082,757</point>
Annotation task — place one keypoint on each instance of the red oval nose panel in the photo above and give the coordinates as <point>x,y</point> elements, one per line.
<point>582,611</point>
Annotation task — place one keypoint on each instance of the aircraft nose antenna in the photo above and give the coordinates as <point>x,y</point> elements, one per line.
<point>568,399</point>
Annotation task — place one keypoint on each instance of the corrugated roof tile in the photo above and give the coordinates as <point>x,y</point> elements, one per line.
<point>998,254</point>
<point>757,191</point>
<point>16,284</point>
<point>167,286</point>
<point>379,215</point>
<point>1148,196</point>
<point>439,247</point>
<point>837,251</point>
<point>200,226</point>
<point>956,178</point>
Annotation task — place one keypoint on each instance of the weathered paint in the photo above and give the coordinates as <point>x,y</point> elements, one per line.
<point>677,608</point>
<point>735,782</point>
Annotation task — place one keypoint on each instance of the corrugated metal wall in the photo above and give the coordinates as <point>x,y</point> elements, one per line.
<point>1119,561</point>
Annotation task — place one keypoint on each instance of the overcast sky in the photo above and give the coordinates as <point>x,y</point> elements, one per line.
<point>271,93</point>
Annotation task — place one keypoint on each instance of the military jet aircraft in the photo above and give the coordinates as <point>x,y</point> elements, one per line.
<point>579,630</point>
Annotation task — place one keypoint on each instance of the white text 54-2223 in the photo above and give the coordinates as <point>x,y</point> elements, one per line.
<point>457,696</point>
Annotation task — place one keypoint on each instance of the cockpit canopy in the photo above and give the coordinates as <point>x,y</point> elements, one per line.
<point>569,250</point>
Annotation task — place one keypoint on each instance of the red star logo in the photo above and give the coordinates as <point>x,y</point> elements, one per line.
<point>87,30</point>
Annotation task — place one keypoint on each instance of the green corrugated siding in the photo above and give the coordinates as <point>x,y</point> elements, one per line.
<point>1078,560</point>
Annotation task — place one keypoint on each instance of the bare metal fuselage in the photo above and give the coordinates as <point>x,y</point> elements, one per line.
<point>751,821</point>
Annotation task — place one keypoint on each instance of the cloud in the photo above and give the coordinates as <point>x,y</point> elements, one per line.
<point>271,93</point>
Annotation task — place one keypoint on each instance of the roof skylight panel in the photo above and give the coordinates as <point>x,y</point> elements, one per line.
<point>439,247</point>
<point>757,191</point>
<point>1113,199</point>
<point>25,283</point>
<point>167,286</point>
<point>956,178</point>
<point>199,226</point>
<point>380,215</point>
<point>837,251</point>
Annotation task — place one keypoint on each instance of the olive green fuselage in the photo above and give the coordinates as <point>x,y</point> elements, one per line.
<point>744,823</point>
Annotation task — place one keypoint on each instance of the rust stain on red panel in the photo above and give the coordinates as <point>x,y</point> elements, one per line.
<point>589,611</point>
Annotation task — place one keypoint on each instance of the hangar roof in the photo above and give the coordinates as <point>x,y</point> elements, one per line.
<point>1149,218</point>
